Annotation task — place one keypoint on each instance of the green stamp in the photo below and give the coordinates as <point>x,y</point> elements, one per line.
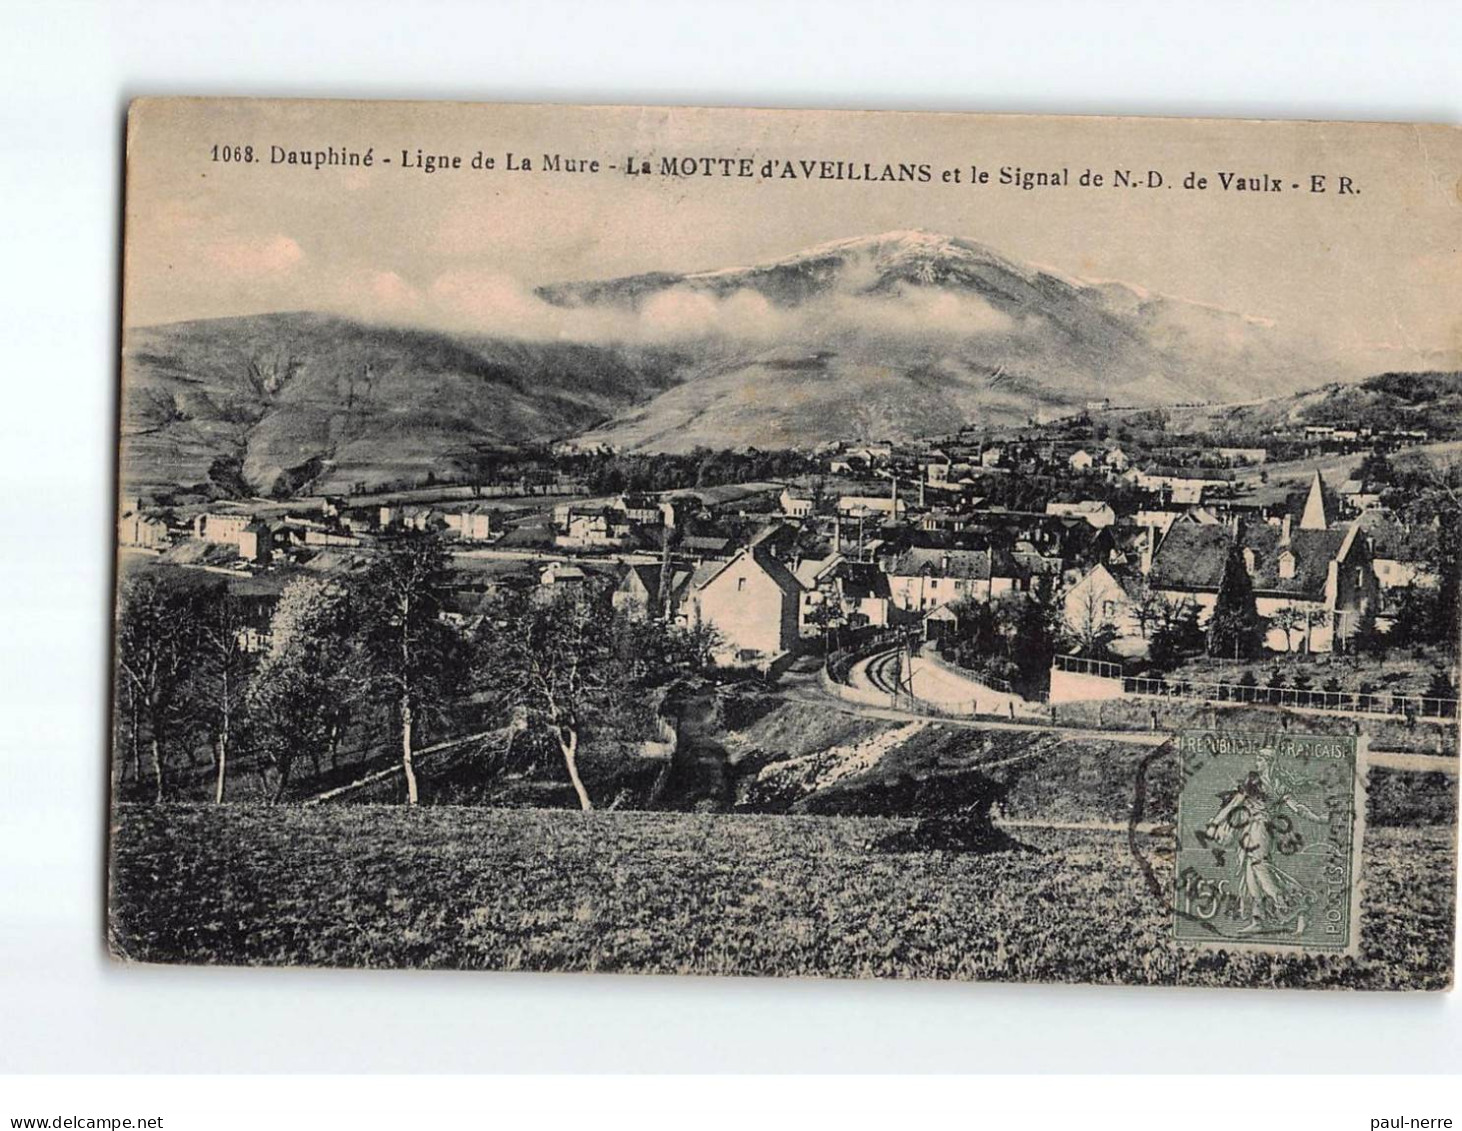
<point>1269,830</point>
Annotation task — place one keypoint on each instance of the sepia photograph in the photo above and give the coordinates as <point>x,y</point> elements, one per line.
<point>812,544</point>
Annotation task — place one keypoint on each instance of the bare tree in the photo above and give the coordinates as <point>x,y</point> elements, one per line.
<point>1289,620</point>
<point>568,664</point>
<point>1091,625</point>
<point>1147,607</point>
<point>221,674</point>
<point>411,653</point>
<point>157,638</point>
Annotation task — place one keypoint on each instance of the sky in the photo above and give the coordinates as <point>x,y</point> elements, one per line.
<point>1373,274</point>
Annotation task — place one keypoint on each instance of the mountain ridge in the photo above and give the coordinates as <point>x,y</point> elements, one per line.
<point>894,335</point>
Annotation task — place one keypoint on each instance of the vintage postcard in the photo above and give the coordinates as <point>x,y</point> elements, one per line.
<point>788,543</point>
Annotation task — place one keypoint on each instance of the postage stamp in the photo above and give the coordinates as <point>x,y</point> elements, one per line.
<point>1269,834</point>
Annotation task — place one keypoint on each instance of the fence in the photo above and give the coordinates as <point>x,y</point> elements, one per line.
<point>912,705</point>
<point>1213,691</point>
<point>1080,665</point>
<point>837,663</point>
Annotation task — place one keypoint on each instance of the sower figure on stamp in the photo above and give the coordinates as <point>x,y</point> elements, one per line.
<point>1255,812</point>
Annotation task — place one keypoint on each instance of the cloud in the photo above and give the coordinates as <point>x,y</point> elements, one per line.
<point>922,311</point>
<point>682,313</point>
<point>493,303</point>
<point>253,258</point>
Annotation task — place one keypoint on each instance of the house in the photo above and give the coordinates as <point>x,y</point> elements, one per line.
<point>838,591</point>
<point>1319,581</point>
<point>707,545</point>
<point>420,519</point>
<point>867,506</point>
<point>941,518</point>
<point>639,590</point>
<point>776,537</point>
<point>1093,511</point>
<point>992,456</point>
<point>1158,520</point>
<point>1400,556</point>
<point>1181,486</point>
<point>1243,457</point>
<point>256,543</point>
<point>1356,498</point>
<point>357,521</point>
<point>639,508</point>
<point>472,524</point>
<point>142,531</point>
<point>795,504</point>
<point>558,576</point>
<point>1116,460</point>
<point>222,528</point>
<point>1110,598</point>
<point>588,527</point>
<point>937,467</point>
<point>753,603</point>
<point>941,622</point>
<point>920,579</point>
<point>1081,460</point>
<point>316,535</point>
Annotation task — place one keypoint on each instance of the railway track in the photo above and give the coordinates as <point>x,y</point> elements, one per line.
<point>884,671</point>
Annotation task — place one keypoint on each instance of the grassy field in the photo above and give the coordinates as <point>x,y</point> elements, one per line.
<point>708,894</point>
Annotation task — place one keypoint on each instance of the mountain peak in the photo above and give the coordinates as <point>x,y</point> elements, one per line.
<point>883,250</point>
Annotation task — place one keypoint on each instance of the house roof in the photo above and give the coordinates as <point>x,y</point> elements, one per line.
<point>713,543</point>
<point>969,564</point>
<point>810,570</point>
<point>1191,557</point>
<point>648,578</point>
<point>783,577</point>
<point>773,532</point>
<point>861,580</point>
<point>1392,539</point>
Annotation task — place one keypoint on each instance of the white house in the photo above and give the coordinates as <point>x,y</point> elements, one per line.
<point>134,529</point>
<point>1108,599</point>
<point>224,528</point>
<point>886,505</point>
<point>473,524</point>
<point>753,602</point>
<point>795,504</point>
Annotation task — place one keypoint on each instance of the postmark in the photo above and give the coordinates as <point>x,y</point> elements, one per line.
<point>1268,841</point>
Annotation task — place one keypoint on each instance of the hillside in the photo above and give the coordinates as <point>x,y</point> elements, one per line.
<point>892,336</point>
<point>309,399</point>
<point>1429,402</point>
<point>909,333</point>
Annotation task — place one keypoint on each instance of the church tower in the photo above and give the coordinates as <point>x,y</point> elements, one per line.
<point>1315,517</point>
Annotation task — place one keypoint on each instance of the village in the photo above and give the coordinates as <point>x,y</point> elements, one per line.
<point>1107,548</point>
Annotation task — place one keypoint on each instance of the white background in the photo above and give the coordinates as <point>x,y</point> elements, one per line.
<point>66,72</point>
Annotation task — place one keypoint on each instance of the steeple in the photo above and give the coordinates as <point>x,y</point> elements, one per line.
<point>1315,517</point>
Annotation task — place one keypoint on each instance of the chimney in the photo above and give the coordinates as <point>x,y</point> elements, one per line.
<point>1284,531</point>
<point>944,563</point>
<point>838,533</point>
<point>1149,544</point>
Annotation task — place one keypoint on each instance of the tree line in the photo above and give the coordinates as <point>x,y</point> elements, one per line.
<point>380,655</point>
